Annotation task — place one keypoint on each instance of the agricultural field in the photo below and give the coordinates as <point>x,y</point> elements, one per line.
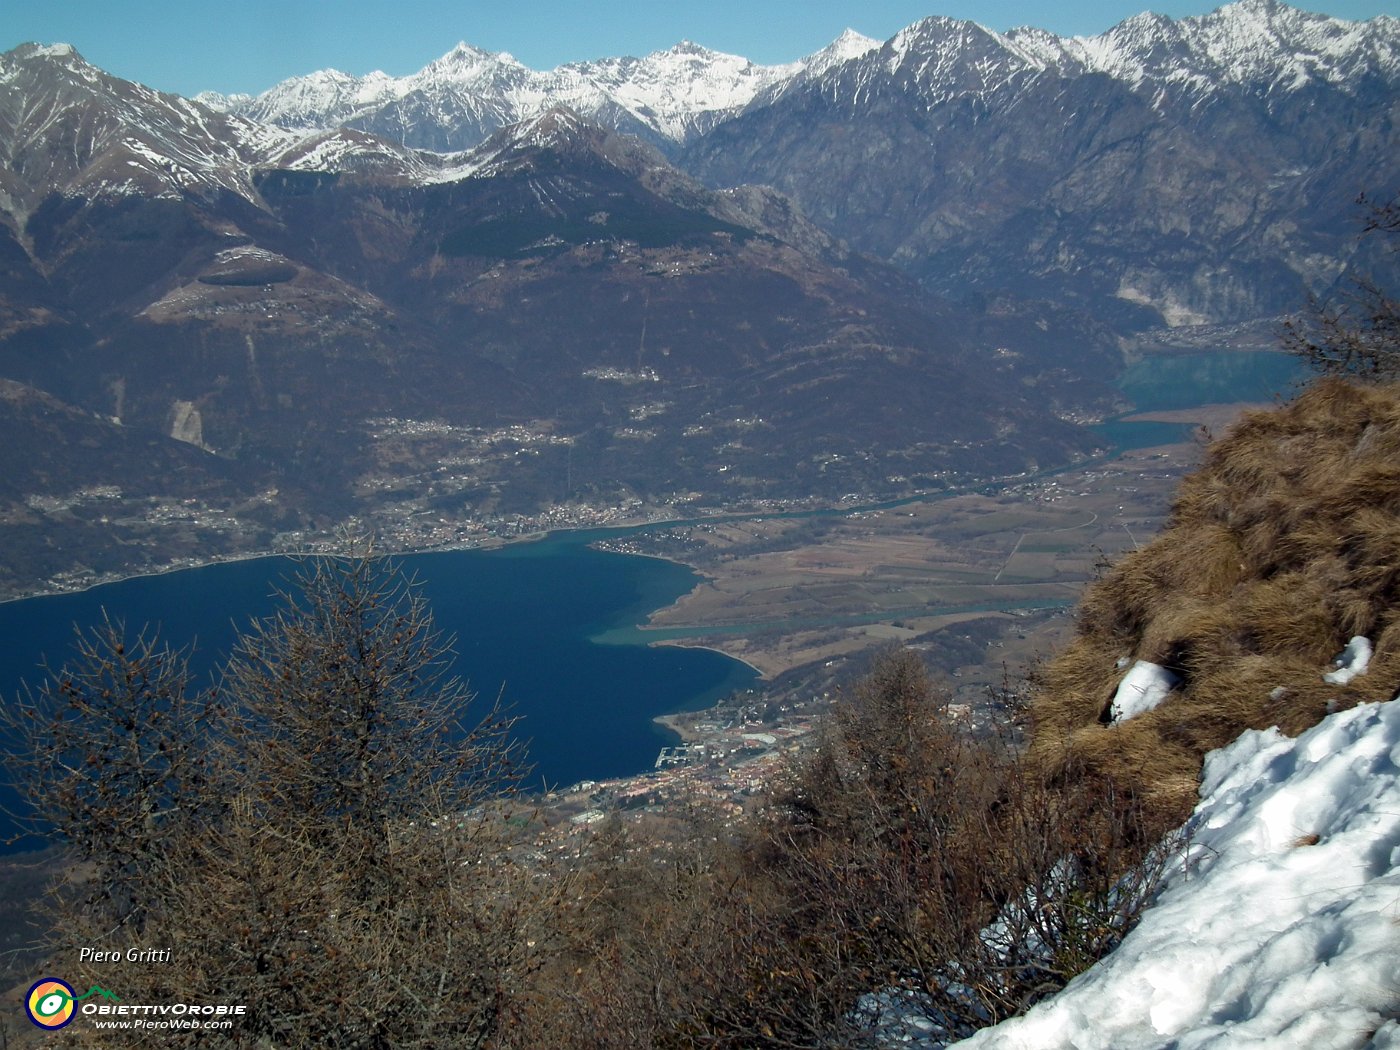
<point>984,581</point>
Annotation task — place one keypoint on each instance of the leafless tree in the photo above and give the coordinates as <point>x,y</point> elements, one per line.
<point>111,752</point>
<point>1359,335</point>
<point>346,720</point>
<point>324,837</point>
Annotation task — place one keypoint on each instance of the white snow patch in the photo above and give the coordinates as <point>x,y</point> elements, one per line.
<point>251,252</point>
<point>1283,927</point>
<point>1144,687</point>
<point>1352,661</point>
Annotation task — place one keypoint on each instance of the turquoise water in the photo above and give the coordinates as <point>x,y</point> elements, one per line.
<point>524,618</point>
<point>1164,382</point>
<point>1168,381</point>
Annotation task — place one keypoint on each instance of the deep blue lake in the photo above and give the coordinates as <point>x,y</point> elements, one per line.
<point>549,624</point>
<point>524,618</point>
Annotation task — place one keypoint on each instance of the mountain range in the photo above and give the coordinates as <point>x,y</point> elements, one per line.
<point>668,97</point>
<point>1163,164</point>
<point>482,297</point>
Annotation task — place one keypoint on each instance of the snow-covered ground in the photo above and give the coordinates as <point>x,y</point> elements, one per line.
<point>1282,927</point>
<point>1354,660</point>
<point>1144,687</point>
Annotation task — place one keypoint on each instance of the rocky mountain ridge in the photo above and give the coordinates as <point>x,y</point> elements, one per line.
<point>1163,173</point>
<point>456,101</point>
<point>579,313</point>
<point>680,93</point>
<point>556,327</point>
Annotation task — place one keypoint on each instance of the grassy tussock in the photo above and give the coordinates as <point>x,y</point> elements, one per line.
<point>1284,545</point>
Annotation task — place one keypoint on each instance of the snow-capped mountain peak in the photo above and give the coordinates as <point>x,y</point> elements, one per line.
<point>1270,41</point>
<point>687,47</point>
<point>1260,42</point>
<point>673,95</point>
<point>464,60</point>
<point>458,99</point>
<point>946,57</point>
<point>47,51</point>
<point>61,59</point>
<point>683,90</point>
<point>852,43</point>
<point>845,47</point>
<point>85,132</point>
<point>555,127</point>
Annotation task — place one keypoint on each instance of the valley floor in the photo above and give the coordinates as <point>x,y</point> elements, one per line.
<point>983,581</point>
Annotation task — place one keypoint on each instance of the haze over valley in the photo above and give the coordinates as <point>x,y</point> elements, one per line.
<point>482,301</point>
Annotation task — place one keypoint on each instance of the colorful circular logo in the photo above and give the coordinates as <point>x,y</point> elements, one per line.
<point>50,1003</point>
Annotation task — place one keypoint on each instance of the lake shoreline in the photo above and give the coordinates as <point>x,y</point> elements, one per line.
<point>325,548</point>
<point>520,622</point>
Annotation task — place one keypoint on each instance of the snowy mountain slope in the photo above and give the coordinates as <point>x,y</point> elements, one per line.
<point>1262,43</point>
<point>69,128</point>
<point>847,46</point>
<point>683,91</point>
<point>676,95</point>
<point>1164,173</point>
<point>561,133</point>
<point>346,150</point>
<point>66,125</point>
<point>1283,926</point>
<point>456,101</point>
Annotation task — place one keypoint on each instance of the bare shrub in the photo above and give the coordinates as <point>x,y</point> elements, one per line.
<point>1358,335</point>
<point>898,860</point>
<point>323,838</point>
<point>945,867</point>
<point>677,941</point>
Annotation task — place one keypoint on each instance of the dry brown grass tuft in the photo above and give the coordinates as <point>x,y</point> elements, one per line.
<point>1285,544</point>
<point>1388,642</point>
<point>1128,760</point>
<point>1189,636</point>
<point>1078,684</point>
<point>1285,616</point>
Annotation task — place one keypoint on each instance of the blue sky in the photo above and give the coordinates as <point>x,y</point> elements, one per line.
<point>248,45</point>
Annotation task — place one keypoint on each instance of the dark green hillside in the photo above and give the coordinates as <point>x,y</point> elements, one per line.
<point>582,207</point>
